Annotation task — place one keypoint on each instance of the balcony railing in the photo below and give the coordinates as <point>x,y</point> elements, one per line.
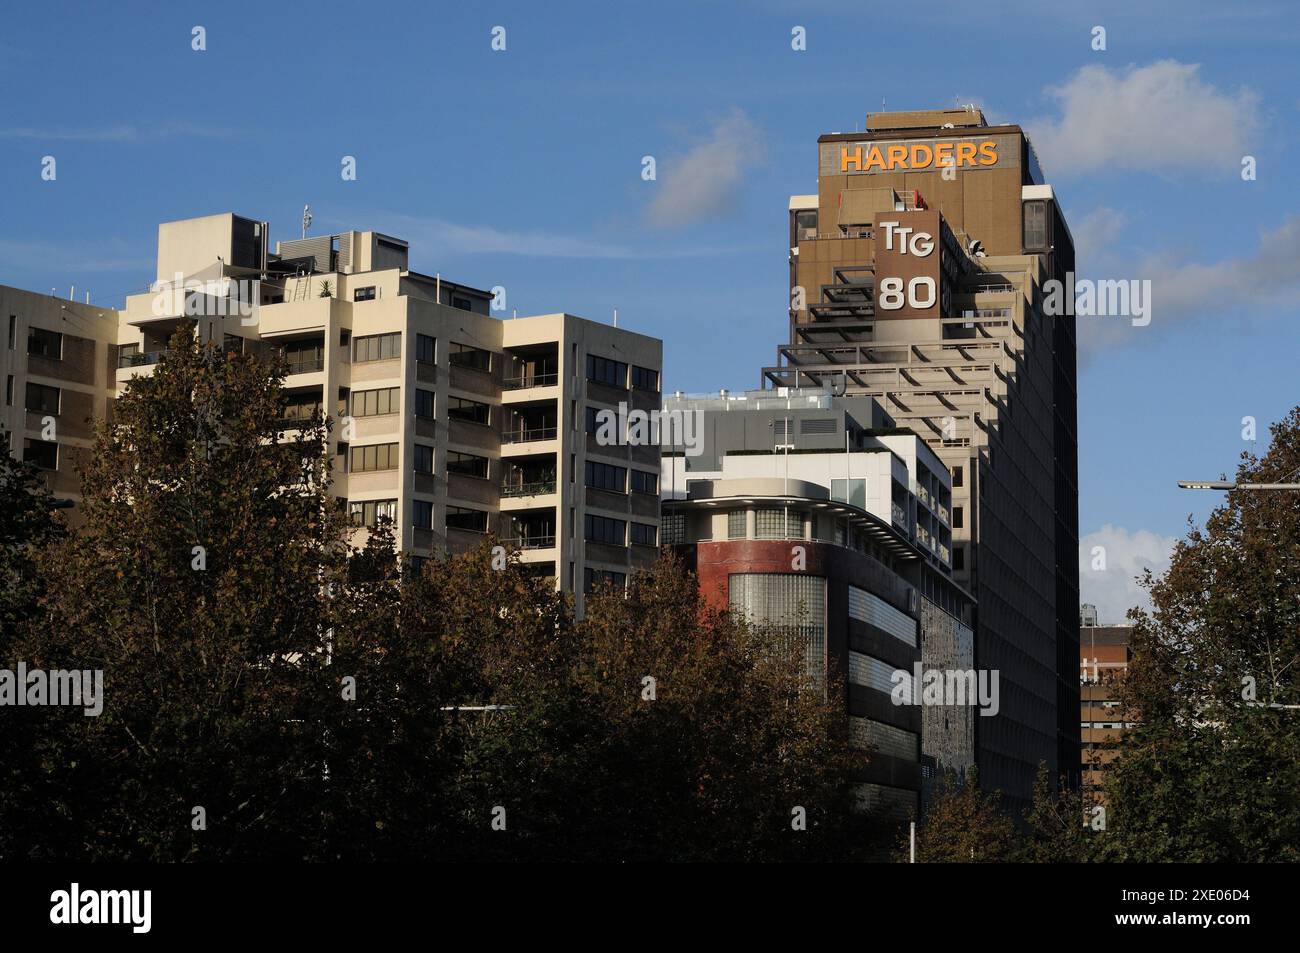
<point>526,435</point>
<point>527,489</point>
<point>532,542</point>
<point>530,380</point>
<point>307,366</point>
<point>140,358</point>
<point>900,515</point>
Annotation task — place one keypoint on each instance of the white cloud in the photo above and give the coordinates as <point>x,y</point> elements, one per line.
<point>1114,590</point>
<point>705,182</point>
<point>1260,283</point>
<point>1156,117</point>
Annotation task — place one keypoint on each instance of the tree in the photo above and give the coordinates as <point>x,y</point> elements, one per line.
<point>1211,772</point>
<point>1056,828</point>
<point>964,825</point>
<point>27,523</point>
<point>199,584</point>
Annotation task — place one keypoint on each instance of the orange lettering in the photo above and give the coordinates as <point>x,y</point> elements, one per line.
<point>943,154</point>
<point>965,153</point>
<point>917,151</point>
<point>874,160</point>
<point>897,157</point>
<point>846,158</point>
<point>988,152</point>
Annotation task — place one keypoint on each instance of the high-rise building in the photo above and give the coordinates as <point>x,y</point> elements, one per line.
<point>918,276</point>
<point>450,422</point>
<point>1103,660</point>
<point>815,517</point>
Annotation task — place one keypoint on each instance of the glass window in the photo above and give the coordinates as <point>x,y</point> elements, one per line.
<point>602,369</point>
<point>603,476</point>
<point>462,303</point>
<point>465,355</point>
<point>736,524</point>
<point>789,607</point>
<point>43,343</point>
<point>470,411</point>
<point>374,403</point>
<point>1035,226</point>
<point>645,378</point>
<point>425,348</point>
<point>643,534</point>
<point>958,517</point>
<point>42,399</point>
<point>43,453</point>
<point>424,403</point>
<point>423,458</point>
<point>957,476</point>
<point>674,528</point>
<point>304,357</point>
<point>603,529</point>
<point>467,464</point>
<point>643,482</point>
<point>369,512</point>
<point>364,294</point>
<point>773,523</point>
<point>459,517</point>
<point>422,514</point>
<point>850,491</point>
<point>378,456</point>
<point>376,347</point>
<point>593,579</point>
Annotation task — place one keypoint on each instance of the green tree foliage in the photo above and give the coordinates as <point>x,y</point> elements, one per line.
<point>1212,772</point>
<point>27,523</point>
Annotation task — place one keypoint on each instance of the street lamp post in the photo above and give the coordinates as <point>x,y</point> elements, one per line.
<point>1231,485</point>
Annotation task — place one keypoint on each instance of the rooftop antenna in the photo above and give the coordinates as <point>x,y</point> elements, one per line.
<point>616,317</point>
<point>306,219</point>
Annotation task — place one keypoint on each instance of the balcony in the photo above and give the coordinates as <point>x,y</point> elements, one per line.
<point>539,488</point>
<point>531,380</point>
<point>306,365</point>
<point>531,542</point>
<point>140,358</point>
<point>900,515</point>
<point>530,435</point>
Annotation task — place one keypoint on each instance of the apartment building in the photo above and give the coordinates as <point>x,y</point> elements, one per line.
<point>449,422</point>
<point>1104,652</point>
<point>56,373</point>
<point>917,277</point>
<point>869,588</point>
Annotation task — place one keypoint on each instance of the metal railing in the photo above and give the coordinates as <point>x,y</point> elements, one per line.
<point>308,366</point>
<point>141,358</point>
<point>528,489</point>
<point>531,380</point>
<point>531,542</point>
<point>524,435</point>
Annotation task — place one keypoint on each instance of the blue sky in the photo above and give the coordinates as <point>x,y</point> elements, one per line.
<point>522,169</point>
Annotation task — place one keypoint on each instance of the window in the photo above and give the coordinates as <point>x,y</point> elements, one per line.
<point>643,482</point>
<point>593,579</point>
<point>458,517</point>
<point>43,343</point>
<point>378,456</point>
<point>425,349</point>
<point>467,464</point>
<point>423,458</point>
<point>374,403</point>
<point>304,357</point>
<point>43,453</point>
<point>959,557</point>
<point>603,476</point>
<point>465,355</point>
<point>369,512</point>
<point>602,529</point>
<point>593,424</point>
<point>470,411</point>
<point>790,608</point>
<point>422,514</point>
<point>645,378</point>
<point>736,524</point>
<point>1035,226</point>
<point>364,294</point>
<point>958,517</point>
<point>42,399</point>
<point>301,406</point>
<point>850,491</point>
<point>424,403</point>
<point>605,371</point>
<point>643,534</point>
<point>957,475</point>
<point>377,347</point>
<point>462,303</point>
<point>9,391</point>
<point>674,528</point>
<point>13,331</point>
<point>772,523</point>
